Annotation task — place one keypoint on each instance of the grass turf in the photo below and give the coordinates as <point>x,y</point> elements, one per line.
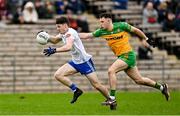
<point>129,103</point>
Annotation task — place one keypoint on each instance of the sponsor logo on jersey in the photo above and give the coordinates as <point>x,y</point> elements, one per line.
<point>114,38</point>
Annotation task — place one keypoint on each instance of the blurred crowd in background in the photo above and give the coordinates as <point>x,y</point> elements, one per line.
<point>30,11</point>
<point>164,12</point>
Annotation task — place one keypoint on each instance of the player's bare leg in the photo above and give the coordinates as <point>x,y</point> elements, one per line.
<point>117,66</point>
<point>61,75</point>
<point>134,74</point>
<point>92,77</point>
<point>96,84</point>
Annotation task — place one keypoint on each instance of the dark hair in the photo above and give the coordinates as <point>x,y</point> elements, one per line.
<point>105,15</point>
<point>62,20</point>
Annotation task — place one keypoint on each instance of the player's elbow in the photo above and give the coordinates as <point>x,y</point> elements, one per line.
<point>136,31</point>
<point>56,41</point>
<point>53,41</point>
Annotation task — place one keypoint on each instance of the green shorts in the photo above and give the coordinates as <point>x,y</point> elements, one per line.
<point>129,58</point>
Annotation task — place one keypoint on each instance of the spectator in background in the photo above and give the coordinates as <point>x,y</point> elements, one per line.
<point>171,23</point>
<point>150,14</point>
<point>162,9</point>
<point>49,10</point>
<point>17,17</point>
<point>72,19</point>
<point>30,15</point>
<point>156,3</point>
<point>172,4</point>
<point>77,6</point>
<point>40,8</point>
<point>60,6</point>
<point>13,5</point>
<point>2,8</point>
<point>178,11</point>
<point>82,24</point>
<point>3,13</point>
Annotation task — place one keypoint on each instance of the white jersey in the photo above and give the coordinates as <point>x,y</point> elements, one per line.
<point>78,53</point>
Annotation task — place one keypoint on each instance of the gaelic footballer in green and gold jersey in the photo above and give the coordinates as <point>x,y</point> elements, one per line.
<point>118,38</point>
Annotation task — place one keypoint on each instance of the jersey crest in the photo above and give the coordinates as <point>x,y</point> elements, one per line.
<point>68,35</point>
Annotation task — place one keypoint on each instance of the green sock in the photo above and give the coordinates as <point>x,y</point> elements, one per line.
<point>112,92</point>
<point>158,85</point>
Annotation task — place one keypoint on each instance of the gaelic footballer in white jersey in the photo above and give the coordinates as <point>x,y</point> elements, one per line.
<point>78,53</point>
<point>81,61</point>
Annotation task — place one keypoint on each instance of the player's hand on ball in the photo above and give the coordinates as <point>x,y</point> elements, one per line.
<point>49,51</point>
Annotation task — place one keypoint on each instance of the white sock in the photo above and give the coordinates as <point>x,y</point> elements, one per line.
<point>73,90</point>
<point>112,97</point>
<point>161,88</point>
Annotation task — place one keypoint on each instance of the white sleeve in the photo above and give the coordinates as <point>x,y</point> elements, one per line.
<point>70,35</point>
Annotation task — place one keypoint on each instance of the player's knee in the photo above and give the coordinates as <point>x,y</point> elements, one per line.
<point>58,76</point>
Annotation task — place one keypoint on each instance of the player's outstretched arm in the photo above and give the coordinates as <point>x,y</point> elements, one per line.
<point>141,35</point>
<point>144,39</point>
<point>67,47</point>
<point>86,35</point>
<point>44,37</point>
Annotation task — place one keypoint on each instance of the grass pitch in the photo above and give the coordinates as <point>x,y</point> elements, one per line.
<point>129,103</point>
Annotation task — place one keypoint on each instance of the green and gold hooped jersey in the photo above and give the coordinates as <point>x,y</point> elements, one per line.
<point>118,38</point>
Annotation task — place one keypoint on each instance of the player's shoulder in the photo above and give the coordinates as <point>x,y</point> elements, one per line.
<point>71,30</point>
<point>99,32</point>
<point>120,23</point>
<point>72,33</point>
<point>123,26</point>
